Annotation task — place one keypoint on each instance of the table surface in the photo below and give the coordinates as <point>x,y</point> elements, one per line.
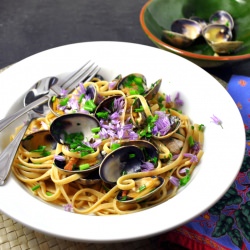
<point>32,26</point>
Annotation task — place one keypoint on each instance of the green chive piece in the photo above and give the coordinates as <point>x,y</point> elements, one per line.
<point>131,156</point>
<point>201,127</point>
<point>81,97</point>
<point>139,109</point>
<point>36,187</point>
<point>64,101</point>
<point>115,146</point>
<point>84,166</point>
<point>95,130</point>
<point>141,188</point>
<point>103,115</point>
<point>191,141</point>
<point>89,105</point>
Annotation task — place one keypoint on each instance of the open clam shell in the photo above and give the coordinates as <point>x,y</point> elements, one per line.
<point>226,47</point>
<point>73,123</point>
<point>63,128</point>
<point>125,159</point>
<point>183,32</point>
<point>174,125</point>
<point>35,140</point>
<point>216,33</point>
<point>222,17</point>
<point>177,39</point>
<point>153,90</point>
<point>133,84</point>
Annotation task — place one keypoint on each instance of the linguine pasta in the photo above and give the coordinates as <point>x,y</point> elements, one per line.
<point>177,156</point>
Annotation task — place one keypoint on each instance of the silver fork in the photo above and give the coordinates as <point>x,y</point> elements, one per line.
<point>8,154</point>
<point>83,74</point>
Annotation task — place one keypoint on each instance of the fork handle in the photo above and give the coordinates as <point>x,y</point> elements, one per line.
<point>8,154</point>
<point>9,119</point>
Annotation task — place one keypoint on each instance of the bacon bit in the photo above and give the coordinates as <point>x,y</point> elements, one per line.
<point>69,166</point>
<point>124,193</point>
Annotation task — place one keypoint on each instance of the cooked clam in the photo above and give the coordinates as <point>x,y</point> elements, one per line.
<point>165,126</point>
<point>219,37</point>
<point>133,84</point>
<point>183,32</point>
<point>153,90</point>
<point>75,132</point>
<point>36,140</point>
<point>128,158</point>
<point>222,17</point>
<point>215,33</point>
<point>199,20</point>
<point>226,47</point>
<point>124,160</point>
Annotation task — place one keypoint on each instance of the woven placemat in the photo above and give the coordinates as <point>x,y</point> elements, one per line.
<point>16,236</point>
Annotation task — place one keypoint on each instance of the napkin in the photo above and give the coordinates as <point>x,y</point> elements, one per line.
<point>226,225</point>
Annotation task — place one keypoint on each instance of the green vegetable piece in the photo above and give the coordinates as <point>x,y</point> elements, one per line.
<point>95,130</point>
<point>84,166</point>
<point>64,101</point>
<point>115,146</point>
<point>36,187</point>
<point>141,188</point>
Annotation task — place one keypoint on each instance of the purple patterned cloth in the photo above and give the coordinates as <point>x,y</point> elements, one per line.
<point>226,225</point>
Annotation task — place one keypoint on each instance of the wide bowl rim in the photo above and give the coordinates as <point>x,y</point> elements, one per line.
<point>181,52</point>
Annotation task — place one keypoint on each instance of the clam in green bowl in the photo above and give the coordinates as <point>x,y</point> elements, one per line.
<point>158,15</point>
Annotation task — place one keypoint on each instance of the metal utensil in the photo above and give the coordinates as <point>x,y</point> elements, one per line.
<point>7,156</point>
<point>83,74</point>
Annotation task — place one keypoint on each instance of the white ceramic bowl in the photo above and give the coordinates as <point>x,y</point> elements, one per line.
<point>203,97</point>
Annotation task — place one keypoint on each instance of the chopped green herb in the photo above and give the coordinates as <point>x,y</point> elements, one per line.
<point>81,97</point>
<point>133,92</point>
<point>84,166</point>
<point>89,105</point>
<point>141,188</point>
<point>103,115</point>
<point>36,187</point>
<point>115,146</point>
<point>131,156</point>
<point>201,127</point>
<point>139,109</point>
<point>95,130</point>
<point>42,149</point>
<point>64,101</point>
<point>191,141</point>
<point>124,198</point>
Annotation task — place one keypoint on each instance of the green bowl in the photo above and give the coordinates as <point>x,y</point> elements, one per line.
<point>157,15</point>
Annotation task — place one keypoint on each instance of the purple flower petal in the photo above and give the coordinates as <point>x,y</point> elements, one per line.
<point>193,158</point>
<point>59,157</point>
<point>68,208</point>
<point>168,99</point>
<point>63,93</point>
<point>177,100</point>
<point>147,166</point>
<point>175,181</point>
<point>216,120</point>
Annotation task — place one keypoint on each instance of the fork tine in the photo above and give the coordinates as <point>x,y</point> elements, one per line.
<point>85,77</point>
<point>72,78</point>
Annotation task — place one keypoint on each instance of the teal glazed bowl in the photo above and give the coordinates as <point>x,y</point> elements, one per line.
<point>158,15</point>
